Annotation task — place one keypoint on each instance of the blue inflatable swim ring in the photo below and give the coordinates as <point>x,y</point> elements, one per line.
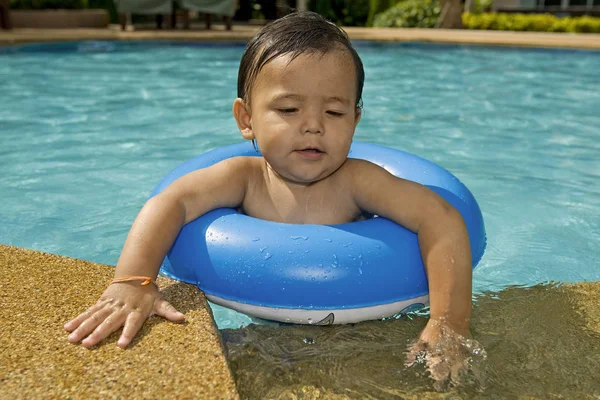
<point>315,274</point>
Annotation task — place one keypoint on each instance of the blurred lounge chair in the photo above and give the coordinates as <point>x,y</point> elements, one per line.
<point>226,8</point>
<point>127,7</point>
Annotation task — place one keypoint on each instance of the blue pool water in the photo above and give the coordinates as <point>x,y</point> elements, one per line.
<point>87,130</point>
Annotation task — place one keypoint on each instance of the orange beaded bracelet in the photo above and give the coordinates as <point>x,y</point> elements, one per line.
<point>146,280</point>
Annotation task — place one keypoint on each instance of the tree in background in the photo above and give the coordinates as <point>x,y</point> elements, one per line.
<point>451,15</point>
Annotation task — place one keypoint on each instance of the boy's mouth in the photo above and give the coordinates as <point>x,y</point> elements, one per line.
<point>310,153</point>
<point>311,150</point>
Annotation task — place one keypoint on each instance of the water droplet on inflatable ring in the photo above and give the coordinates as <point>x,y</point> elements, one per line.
<point>299,237</point>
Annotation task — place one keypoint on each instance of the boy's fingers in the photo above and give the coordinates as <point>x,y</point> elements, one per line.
<point>438,368</point>
<point>415,353</point>
<point>110,324</point>
<point>88,326</point>
<point>164,309</point>
<point>75,322</point>
<point>133,323</point>
<point>456,372</point>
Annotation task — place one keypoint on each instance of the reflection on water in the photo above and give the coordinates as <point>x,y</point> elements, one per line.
<point>541,342</point>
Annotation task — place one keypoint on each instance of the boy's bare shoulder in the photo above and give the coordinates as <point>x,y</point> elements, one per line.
<point>359,168</point>
<point>234,171</point>
<point>242,164</point>
<point>366,175</point>
<point>358,162</point>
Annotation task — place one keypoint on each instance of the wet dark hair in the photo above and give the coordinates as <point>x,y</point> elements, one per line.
<point>297,33</point>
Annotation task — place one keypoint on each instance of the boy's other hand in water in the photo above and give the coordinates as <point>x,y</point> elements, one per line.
<point>449,357</point>
<point>126,304</point>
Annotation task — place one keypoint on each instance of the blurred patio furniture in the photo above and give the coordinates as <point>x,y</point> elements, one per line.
<point>226,8</point>
<point>146,7</point>
<point>5,15</point>
<point>176,8</point>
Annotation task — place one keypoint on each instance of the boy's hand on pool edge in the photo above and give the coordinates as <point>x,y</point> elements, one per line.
<point>123,304</point>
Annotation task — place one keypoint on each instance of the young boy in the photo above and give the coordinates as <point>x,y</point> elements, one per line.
<point>300,86</point>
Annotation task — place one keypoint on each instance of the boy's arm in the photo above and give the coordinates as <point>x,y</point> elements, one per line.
<point>163,216</point>
<point>442,234</point>
<point>128,304</point>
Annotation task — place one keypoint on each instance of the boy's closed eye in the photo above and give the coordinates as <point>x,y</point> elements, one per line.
<point>333,113</point>
<point>287,110</point>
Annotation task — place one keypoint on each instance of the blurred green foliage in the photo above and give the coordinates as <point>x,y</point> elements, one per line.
<point>531,22</point>
<point>377,7</point>
<point>343,12</point>
<point>409,14</point>
<point>481,6</point>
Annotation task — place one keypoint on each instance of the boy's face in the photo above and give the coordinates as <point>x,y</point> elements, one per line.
<point>303,115</point>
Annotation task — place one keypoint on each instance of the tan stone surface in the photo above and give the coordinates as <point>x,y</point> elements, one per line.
<point>456,36</point>
<point>245,32</point>
<point>586,297</point>
<point>39,292</point>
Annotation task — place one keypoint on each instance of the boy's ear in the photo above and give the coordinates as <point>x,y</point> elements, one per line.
<point>242,116</point>
<point>357,116</point>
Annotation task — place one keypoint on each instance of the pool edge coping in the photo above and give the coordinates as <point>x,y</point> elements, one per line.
<point>244,33</point>
<point>42,289</point>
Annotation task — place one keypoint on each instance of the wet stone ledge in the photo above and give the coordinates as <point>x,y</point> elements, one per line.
<point>541,342</point>
<point>39,292</point>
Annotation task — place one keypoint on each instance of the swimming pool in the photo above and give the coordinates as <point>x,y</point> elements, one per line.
<point>88,129</point>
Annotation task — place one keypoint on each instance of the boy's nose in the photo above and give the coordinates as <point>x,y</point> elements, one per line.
<point>313,124</point>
